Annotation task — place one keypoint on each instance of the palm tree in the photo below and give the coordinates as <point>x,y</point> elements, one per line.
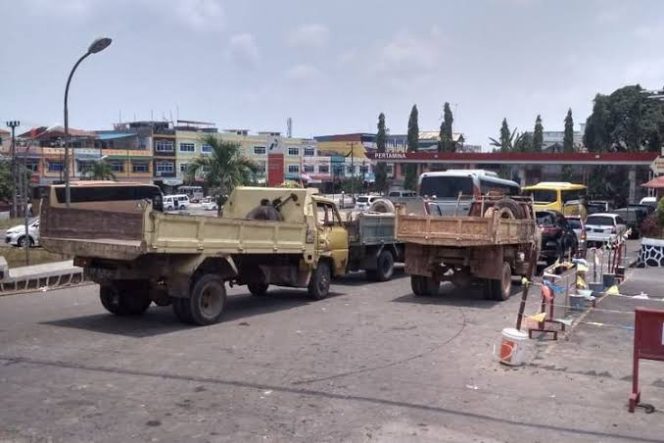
<point>99,170</point>
<point>224,168</point>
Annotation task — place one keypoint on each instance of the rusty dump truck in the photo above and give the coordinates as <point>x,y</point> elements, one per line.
<point>267,236</point>
<point>497,239</point>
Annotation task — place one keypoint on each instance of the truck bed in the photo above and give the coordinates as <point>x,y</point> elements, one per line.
<point>370,228</point>
<point>463,230</point>
<point>126,236</point>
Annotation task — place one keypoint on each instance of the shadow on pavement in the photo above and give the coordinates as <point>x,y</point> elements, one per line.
<point>162,320</point>
<point>359,278</point>
<point>453,296</point>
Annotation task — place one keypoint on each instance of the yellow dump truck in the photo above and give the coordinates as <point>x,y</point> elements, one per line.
<point>139,254</point>
<point>499,238</point>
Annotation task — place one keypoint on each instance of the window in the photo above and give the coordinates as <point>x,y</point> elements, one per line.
<point>364,169</point>
<point>262,167</point>
<point>260,150</point>
<point>326,215</point>
<point>390,169</point>
<point>117,166</point>
<point>446,187</point>
<point>293,151</point>
<point>184,167</point>
<point>55,166</point>
<point>293,169</point>
<point>544,196</point>
<point>206,149</point>
<point>164,146</point>
<point>308,168</point>
<point>187,147</point>
<point>351,170</point>
<point>165,167</point>
<point>324,169</point>
<point>140,166</point>
<point>309,151</point>
<point>32,165</point>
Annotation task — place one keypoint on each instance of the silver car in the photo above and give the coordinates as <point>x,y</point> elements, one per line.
<point>603,228</point>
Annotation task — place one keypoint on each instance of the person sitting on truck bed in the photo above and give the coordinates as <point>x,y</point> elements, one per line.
<point>265,211</point>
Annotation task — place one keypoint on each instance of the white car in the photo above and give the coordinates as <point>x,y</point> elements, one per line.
<point>209,204</point>
<point>15,235</point>
<point>176,202</point>
<point>602,228</point>
<point>363,202</point>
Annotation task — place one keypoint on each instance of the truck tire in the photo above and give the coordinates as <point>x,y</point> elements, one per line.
<point>424,285</point>
<point>319,285</point>
<point>126,298</point>
<point>258,289</point>
<point>382,205</point>
<point>384,267</point>
<point>512,205</point>
<point>207,300</point>
<point>500,290</point>
<point>182,310</point>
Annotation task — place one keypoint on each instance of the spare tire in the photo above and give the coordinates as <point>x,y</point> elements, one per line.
<point>382,205</point>
<point>512,205</point>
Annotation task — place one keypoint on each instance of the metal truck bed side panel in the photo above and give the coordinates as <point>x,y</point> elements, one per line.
<point>371,229</point>
<point>463,231</point>
<point>194,234</point>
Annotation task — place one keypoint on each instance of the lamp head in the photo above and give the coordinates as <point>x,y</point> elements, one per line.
<point>99,45</point>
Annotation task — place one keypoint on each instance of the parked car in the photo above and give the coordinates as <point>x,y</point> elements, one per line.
<point>648,209</point>
<point>650,201</point>
<point>176,202</point>
<point>579,228</point>
<point>15,235</point>
<point>604,227</point>
<point>595,206</point>
<point>363,202</point>
<point>633,218</point>
<point>558,238</point>
<point>209,204</point>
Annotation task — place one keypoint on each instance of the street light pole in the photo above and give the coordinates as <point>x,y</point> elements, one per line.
<point>98,45</point>
<point>13,125</point>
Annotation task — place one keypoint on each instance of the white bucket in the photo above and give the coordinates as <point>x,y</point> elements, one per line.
<point>512,347</point>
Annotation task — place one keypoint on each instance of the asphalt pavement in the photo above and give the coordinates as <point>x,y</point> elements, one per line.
<point>370,363</point>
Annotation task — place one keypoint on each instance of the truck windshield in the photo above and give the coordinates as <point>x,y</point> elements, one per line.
<point>446,187</point>
<point>544,195</point>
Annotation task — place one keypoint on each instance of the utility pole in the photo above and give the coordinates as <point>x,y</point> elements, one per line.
<point>13,125</point>
<point>352,167</point>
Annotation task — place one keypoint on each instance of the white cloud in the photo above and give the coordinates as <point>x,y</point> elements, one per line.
<point>75,9</point>
<point>408,55</point>
<point>309,36</point>
<point>201,15</point>
<point>243,50</point>
<point>303,73</point>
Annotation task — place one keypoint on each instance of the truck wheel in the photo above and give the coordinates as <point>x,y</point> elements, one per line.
<point>384,267</point>
<point>258,289</point>
<point>424,285</point>
<point>182,310</point>
<point>319,286</point>
<point>111,299</point>
<point>208,297</point>
<point>501,290</point>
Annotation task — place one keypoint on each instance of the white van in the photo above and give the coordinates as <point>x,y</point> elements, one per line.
<point>176,202</point>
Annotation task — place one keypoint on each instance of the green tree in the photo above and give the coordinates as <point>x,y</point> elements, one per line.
<point>523,142</point>
<point>381,144</point>
<point>413,139</point>
<point>99,170</point>
<point>224,168</point>
<point>506,139</point>
<point>6,188</point>
<point>446,142</point>
<point>538,135</point>
<point>568,136</point>
<point>625,120</point>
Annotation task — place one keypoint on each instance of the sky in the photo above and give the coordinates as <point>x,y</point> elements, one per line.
<point>332,66</point>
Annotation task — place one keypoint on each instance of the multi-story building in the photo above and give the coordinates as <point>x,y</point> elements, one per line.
<point>5,142</point>
<point>128,149</point>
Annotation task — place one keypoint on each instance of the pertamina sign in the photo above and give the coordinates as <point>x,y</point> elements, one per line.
<point>390,156</point>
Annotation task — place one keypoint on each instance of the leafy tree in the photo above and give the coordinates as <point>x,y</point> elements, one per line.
<point>381,144</point>
<point>567,173</point>
<point>568,136</point>
<point>224,168</point>
<point>6,182</point>
<point>523,142</point>
<point>446,143</point>
<point>538,135</point>
<point>413,137</point>
<point>625,120</point>
<point>506,139</point>
<point>99,170</point>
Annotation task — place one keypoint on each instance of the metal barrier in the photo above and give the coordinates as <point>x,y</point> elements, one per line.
<point>43,282</point>
<point>648,345</point>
